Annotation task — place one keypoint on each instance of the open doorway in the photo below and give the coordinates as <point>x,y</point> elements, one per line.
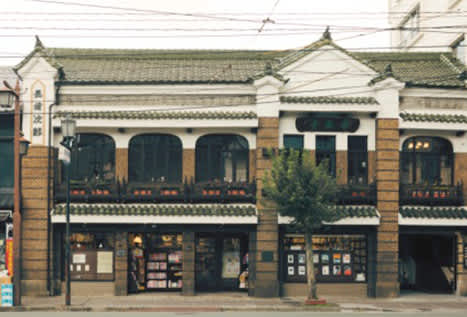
<point>427,263</point>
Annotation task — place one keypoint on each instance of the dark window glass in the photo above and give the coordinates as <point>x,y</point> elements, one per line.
<point>93,158</point>
<point>6,125</point>
<point>293,142</point>
<point>222,157</point>
<point>326,151</point>
<point>155,157</point>
<point>357,160</point>
<point>427,160</point>
<point>6,163</point>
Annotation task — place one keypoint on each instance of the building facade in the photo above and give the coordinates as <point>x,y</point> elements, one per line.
<point>172,147</point>
<point>428,25</point>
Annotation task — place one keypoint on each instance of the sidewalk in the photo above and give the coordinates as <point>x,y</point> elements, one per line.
<point>413,302</point>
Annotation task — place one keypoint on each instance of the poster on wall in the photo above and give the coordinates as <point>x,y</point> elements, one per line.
<point>104,262</point>
<point>347,270</point>
<point>231,264</point>
<point>336,258</point>
<point>301,270</point>
<point>324,258</point>
<point>346,258</point>
<point>325,270</point>
<point>315,258</point>
<point>79,258</point>
<point>336,270</point>
<point>301,258</point>
<point>290,270</point>
<point>290,258</point>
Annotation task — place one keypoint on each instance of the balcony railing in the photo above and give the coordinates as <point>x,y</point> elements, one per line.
<point>357,194</point>
<point>186,192</point>
<point>431,195</point>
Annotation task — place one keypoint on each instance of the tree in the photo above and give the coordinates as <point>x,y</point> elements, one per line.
<point>306,193</point>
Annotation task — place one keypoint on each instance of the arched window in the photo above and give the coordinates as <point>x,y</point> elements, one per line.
<point>155,157</point>
<point>427,160</point>
<point>93,158</point>
<point>222,157</point>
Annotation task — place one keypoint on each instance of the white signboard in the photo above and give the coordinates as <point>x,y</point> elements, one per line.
<point>105,262</point>
<point>64,155</point>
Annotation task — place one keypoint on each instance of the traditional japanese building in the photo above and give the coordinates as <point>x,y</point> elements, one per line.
<point>172,146</point>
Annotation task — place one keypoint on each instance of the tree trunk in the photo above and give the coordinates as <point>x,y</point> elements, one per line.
<point>310,267</point>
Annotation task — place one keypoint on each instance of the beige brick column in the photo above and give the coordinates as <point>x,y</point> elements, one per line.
<point>252,165</point>
<point>460,171</point>
<point>35,222</point>
<point>371,166</point>
<point>341,167</point>
<point>461,283</point>
<point>387,236</point>
<point>121,264</point>
<point>188,164</point>
<point>121,164</point>
<point>189,277</point>
<point>267,238</point>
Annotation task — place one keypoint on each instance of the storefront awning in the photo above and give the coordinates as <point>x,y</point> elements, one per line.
<point>349,216</point>
<point>432,216</point>
<point>157,213</point>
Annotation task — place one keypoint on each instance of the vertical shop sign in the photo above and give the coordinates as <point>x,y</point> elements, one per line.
<point>9,256</point>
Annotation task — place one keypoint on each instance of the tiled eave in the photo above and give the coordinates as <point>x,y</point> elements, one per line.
<point>432,216</point>
<point>157,213</point>
<point>433,121</point>
<point>348,216</point>
<point>329,100</point>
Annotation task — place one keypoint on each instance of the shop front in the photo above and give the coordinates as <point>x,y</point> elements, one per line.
<point>341,263</point>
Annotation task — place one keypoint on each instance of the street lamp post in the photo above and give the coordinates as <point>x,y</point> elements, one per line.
<point>9,98</point>
<point>68,132</point>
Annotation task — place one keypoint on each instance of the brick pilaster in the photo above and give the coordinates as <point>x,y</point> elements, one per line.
<point>35,226</point>
<point>252,165</point>
<point>121,264</point>
<point>461,283</point>
<point>460,172</point>
<point>266,276</point>
<point>188,164</point>
<point>387,236</point>
<point>341,167</point>
<point>188,287</point>
<point>121,164</point>
<point>371,166</point>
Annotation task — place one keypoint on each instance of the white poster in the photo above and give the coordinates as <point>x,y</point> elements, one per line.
<point>79,258</point>
<point>231,264</point>
<point>104,262</point>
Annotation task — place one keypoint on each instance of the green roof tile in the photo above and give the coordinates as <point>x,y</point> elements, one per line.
<point>159,115</point>
<point>428,117</point>
<point>434,212</point>
<point>157,210</point>
<point>355,211</point>
<point>329,99</point>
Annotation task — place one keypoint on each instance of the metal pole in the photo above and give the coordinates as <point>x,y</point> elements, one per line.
<point>67,234</point>
<point>16,208</point>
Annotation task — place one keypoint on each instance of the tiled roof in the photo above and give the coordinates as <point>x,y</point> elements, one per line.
<point>416,68</point>
<point>434,212</point>
<point>329,99</point>
<point>116,66</point>
<point>159,115</point>
<point>157,210</point>
<point>349,211</point>
<point>429,117</point>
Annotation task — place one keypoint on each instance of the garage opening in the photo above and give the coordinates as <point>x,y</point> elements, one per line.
<point>427,263</point>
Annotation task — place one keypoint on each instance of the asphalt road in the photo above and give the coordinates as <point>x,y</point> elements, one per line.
<point>243,314</point>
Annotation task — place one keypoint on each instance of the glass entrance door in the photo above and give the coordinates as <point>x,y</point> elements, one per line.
<point>206,263</point>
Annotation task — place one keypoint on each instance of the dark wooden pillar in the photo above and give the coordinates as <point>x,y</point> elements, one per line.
<point>188,288</point>
<point>251,263</point>
<point>121,264</point>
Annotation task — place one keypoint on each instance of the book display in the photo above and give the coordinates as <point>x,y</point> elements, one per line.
<point>337,258</point>
<point>157,264</point>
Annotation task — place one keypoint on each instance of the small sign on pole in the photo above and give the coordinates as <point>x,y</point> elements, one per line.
<point>64,155</point>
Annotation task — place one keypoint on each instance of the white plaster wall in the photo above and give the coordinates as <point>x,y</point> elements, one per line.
<point>37,74</point>
<point>367,128</point>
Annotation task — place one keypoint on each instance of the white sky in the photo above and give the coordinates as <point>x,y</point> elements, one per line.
<point>296,24</point>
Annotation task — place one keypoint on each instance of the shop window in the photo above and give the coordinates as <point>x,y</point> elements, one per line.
<point>155,158</point>
<point>6,151</point>
<point>427,160</point>
<point>155,261</point>
<point>222,158</point>
<point>357,160</point>
<point>326,152</point>
<point>410,28</point>
<point>337,258</point>
<point>92,256</point>
<point>293,141</point>
<point>93,159</point>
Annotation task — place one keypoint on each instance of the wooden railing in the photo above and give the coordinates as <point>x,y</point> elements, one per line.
<point>431,195</point>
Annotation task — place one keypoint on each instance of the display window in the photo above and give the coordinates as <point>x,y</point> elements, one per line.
<point>92,256</point>
<point>155,261</point>
<point>336,258</point>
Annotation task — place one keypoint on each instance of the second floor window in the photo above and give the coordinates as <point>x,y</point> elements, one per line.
<point>427,160</point>
<point>326,151</point>
<point>222,158</point>
<point>93,158</point>
<point>155,158</point>
<point>410,28</point>
<point>357,160</point>
<point>293,141</point>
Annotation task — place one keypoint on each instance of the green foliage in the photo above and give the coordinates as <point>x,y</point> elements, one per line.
<point>301,190</point>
